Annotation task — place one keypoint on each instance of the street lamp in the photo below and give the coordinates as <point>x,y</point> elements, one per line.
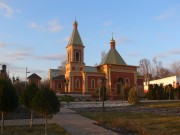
<point>103,81</point>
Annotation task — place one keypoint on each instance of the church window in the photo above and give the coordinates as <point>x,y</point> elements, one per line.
<point>77,83</point>
<point>92,83</point>
<point>77,56</point>
<point>60,85</point>
<point>120,80</point>
<point>68,57</point>
<point>118,88</point>
<point>127,81</point>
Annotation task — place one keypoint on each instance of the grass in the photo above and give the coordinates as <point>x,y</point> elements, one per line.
<point>53,129</point>
<point>141,123</point>
<point>174,104</point>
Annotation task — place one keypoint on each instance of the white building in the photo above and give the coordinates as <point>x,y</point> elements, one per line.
<point>173,80</point>
<point>54,73</point>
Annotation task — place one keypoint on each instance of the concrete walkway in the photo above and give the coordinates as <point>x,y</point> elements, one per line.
<point>70,120</point>
<point>78,125</point>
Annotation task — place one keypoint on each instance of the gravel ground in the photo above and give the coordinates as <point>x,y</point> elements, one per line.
<point>169,111</point>
<point>119,107</point>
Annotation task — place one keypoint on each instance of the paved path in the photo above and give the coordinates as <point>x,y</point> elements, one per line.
<point>71,121</point>
<point>78,125</point>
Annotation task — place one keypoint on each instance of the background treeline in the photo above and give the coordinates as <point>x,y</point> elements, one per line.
<point>160,92</point>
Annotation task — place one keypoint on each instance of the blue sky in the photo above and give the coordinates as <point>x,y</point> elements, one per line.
<point>35,33</point>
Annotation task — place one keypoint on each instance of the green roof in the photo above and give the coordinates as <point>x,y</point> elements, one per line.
<point>113,57</point>
<point>75,38</point>
<point>90,69</point>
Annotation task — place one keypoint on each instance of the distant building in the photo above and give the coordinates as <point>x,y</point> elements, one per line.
<point>57,84</point>
<point>54,72</point>
<point>3,72</point>
<point>34,78</point>
<point>173,80</point>
<point>79,78</point>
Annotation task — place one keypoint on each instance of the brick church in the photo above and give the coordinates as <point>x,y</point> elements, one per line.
<point>113,72</point>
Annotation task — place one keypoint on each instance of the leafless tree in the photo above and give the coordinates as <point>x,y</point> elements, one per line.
<point>164,72</point>
<point>95,64</point>
<point>145,68</point>
<point>156,68</point>
<point>62,67</point>
<point>103,54</point>
<point>176,67</point>
<point>45,83</point>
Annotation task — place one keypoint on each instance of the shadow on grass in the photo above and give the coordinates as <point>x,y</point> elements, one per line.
<point>53,129</point>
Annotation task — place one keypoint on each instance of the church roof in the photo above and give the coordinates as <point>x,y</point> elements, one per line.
<point>34,76</point>
<point>75,38</point>
<point>59,77</point>
<point>90,69</point>
<point>113,57</point>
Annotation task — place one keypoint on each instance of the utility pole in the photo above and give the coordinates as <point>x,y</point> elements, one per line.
<point>26,76</point>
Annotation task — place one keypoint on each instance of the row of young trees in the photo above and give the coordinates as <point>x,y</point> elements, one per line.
<point>42,101</point>
<point>160,92</point>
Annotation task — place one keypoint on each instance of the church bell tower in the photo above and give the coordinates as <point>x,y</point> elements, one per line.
<point>75,61</point>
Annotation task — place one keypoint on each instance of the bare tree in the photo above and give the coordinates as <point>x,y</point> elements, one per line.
<point>145,68</point>
<point>156,68</point>
<point>45,83</point>
<point>95,64</point>
<point>62,67</point>
<point>164,72</point>
<point>103,54</point>
<point>176,67</point>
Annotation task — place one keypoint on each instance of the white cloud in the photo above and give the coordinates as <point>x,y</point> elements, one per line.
<point>166,15</point>
<point>134,54</point>
<point>162,56</point>
<point>107,23</point>
<point>34,25</point>
<point>51,26</point>
<point>6,10</point>
<point>123,40</point>
<point>54,26</point>
<point>2,45</point>
<point>168,54</point>
<point>17,55</point>
<point>55,57</point>
<point>174,52</point>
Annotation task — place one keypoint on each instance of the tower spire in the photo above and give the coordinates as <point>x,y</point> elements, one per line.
<point>112,42</point>
<point>75,24</point>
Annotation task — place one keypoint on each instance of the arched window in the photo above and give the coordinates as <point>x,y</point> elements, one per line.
<point>118,88</point>
<point>120,80</point>
<point>127,81</point>
<point>68,57</point>
<point>119,83</point>
<point>59,85</point>
<point>77,83</point>
<point>92,83</point>
<point>77,56</point>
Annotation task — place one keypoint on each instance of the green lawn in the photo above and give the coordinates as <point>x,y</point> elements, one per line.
<point>53,129</point>
<point>174,104</point>
<point>141,123</point>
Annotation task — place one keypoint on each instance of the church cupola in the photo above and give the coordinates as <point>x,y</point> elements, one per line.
<point>75,24</point>
<point>113,57</point>
<point>112,43</point>
<point>75,38</point>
